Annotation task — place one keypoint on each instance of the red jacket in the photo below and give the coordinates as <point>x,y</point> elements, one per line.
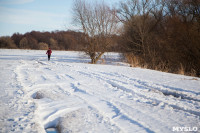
<point>49,52</point>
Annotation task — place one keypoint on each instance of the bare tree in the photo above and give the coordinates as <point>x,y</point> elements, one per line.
<point>43,46</point>
<point>7,42</point>
<point>53,44</point>
<point>140,19</point>
<point>162,34</point>
<point>23,43</point>
<point>99,23</point>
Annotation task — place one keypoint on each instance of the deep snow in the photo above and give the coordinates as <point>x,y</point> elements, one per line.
<point>74,96</point>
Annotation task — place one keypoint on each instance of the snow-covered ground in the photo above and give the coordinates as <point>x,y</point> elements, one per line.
<point>71,95</point>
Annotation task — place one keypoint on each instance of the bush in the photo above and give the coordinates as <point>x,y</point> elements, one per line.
<point>7,42</point>
<point>43,46</point>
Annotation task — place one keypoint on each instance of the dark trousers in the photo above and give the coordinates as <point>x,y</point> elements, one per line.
<point>49,57</point>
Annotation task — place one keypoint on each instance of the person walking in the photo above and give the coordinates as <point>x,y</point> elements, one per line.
<point>49,53</point>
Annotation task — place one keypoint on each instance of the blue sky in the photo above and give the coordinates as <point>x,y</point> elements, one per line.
<point>40,15</point>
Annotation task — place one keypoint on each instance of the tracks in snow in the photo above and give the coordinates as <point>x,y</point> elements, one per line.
<point>110,96</point>
<point>20,111</point>
<point>155,94</point>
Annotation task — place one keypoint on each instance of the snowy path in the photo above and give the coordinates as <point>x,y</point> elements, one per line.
<point>78,97</point>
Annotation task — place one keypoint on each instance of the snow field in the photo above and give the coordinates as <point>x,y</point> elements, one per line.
<point>73,96</point>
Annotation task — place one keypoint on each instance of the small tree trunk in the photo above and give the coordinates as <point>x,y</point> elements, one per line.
<point>94,59</point>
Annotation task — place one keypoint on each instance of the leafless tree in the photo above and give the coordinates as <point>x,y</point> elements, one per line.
<point>7,42</point>
<point>98,22</point>
<point>137,18</point>
<point>162,34</point>
<point>140,19</point>
<point>23,43</point>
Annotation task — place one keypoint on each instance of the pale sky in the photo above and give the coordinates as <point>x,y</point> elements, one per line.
<point>39,15</point>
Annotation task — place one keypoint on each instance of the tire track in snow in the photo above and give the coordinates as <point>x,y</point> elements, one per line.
<point>140,85</point>
<point>166,90</point>
<point>156,87</point>
<point>118,113</point>
<point>153,101</point>
<point>92,102</point>
<point>112,112</point>
<point>115,84</point>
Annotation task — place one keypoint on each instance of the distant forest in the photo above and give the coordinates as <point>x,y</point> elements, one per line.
<point>162,35</point>
<point>57,40</point>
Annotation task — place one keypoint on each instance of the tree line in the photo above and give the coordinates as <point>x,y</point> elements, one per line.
<point>156,34</point>
<point>57,40</point>
<point>162,34</point>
